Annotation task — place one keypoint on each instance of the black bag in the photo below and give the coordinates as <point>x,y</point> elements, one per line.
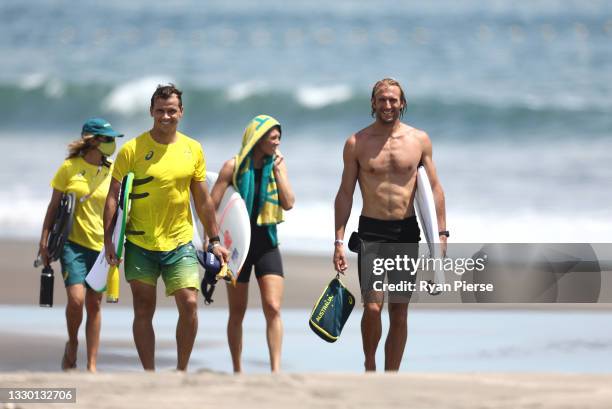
<point>331,311</point>
<point>354,243</point>
<point>211,265</point>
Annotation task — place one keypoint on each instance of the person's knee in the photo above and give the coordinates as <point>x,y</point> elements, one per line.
<point>188,306</point>
<point>187,301</point>
<point>271,309</point>
<point>74,305</point>
<point>373,309</point>
<point>93,304</point>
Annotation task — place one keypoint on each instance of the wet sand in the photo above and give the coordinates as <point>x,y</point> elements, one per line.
<point>305,278</point>
<point>27,356</point>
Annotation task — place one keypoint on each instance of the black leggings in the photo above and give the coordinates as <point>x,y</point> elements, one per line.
<point>265,258</point>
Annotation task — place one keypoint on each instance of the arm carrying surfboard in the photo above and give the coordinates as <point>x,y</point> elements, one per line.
<point>234,230</point>
<point>112,281</point>
<point>102,276</point>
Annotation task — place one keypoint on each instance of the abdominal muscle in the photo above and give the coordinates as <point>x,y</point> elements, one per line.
<point>387,196</point>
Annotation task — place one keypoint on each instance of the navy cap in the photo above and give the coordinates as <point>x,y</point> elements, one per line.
<point>100,126</point>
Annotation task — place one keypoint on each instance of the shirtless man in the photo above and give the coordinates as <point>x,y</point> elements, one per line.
<point>384,158</point>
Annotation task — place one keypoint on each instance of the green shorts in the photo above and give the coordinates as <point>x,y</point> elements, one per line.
<point>76,261</point>
<point>178,267</point>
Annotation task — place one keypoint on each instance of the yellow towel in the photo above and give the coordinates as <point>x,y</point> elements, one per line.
<point>270,211</point>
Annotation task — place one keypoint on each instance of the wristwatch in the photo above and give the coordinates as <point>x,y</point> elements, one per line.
<point>213,242</point>
<point>444,233</point>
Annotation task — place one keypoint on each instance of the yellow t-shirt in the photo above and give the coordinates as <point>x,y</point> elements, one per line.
<point>164,215</point>
<point>90,184</point>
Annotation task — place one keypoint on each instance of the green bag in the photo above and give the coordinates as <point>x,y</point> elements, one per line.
<point>332,310</point>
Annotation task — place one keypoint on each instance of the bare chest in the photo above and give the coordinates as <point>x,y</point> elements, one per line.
<point>391,156</point>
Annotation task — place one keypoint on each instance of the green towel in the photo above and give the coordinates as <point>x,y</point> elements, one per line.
<point>270,211</point>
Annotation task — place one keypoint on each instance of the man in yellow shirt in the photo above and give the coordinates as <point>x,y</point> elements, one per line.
<point>175,165</point>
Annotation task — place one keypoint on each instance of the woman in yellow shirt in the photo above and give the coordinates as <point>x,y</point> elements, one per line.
<point>86,172</point>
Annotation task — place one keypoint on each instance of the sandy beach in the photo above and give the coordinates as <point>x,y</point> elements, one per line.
<point>33,361</point>
<point>322,390</point>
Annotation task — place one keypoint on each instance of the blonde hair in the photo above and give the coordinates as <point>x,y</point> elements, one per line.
<point>388,82</point>
<point>80,146</point>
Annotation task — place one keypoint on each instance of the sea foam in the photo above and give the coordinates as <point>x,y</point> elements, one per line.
<point>243,90</point>
<point>134,96</point>
<point>319,97</point>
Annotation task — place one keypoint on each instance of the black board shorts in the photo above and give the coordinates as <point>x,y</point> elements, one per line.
<point>405,232</point>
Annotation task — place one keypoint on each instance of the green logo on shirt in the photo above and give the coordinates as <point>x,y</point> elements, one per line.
<point>149,155</point>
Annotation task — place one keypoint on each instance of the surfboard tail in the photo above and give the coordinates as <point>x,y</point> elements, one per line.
<point>98,275</point>
<point>439,277</point>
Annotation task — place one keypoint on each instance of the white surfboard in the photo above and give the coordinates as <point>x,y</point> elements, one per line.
<point>234,226</point>
<point>425,207</point>
<point>97,276</point>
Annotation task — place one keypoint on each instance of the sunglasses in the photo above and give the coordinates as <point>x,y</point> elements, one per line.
<point>105,138</point>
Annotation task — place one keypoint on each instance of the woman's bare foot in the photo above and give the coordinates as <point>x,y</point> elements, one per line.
<point>69,360</point>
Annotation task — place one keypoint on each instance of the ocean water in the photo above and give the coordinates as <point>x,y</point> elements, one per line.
<point>516,97</point>
<point>438,341</point>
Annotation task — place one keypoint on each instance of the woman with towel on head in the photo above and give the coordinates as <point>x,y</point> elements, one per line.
<point>259,174</point>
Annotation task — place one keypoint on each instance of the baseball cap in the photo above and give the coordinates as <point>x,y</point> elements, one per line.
<point>100,126</point>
